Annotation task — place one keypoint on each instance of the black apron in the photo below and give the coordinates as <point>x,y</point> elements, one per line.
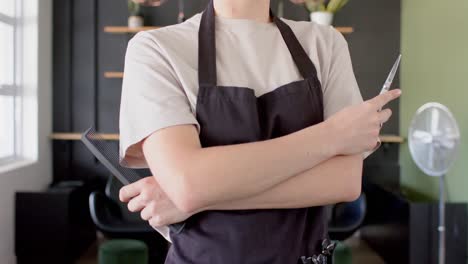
<point>232,115</point>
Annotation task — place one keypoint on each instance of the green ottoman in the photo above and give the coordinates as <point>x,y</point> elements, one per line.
<point>123,251</point>
<point>342,254</point>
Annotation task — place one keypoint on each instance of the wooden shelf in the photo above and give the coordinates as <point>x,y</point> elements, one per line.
<point>124,30</point>
<point>77,136</point>
<point>113,75</point>
<point>392,139</point>
<point>345,30</point>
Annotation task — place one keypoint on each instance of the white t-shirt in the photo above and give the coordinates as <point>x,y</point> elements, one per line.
<point>160,82</point>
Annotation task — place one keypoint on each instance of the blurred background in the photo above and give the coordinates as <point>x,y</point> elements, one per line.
<point>61,68</point>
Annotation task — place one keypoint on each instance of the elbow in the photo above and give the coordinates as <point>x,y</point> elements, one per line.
<point>353,186</point>
<point>352,193</point>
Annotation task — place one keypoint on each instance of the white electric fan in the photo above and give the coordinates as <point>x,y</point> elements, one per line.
<point>433,141</point>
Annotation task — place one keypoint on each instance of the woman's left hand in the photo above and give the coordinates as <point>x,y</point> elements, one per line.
<point>148,197</point>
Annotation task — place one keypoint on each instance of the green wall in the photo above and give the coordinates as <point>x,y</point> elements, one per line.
<point>435,68</point>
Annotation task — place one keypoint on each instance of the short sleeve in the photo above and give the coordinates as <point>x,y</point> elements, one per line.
<point>340,86</point>
<point>152,99</point>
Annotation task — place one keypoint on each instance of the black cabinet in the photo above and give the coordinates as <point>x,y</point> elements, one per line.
<point>402,232</point>
<point>53,226</point>
<point>424,235</point>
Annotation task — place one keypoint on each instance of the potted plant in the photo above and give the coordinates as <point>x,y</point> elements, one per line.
<point>322,11</point>
<point>135,19</point>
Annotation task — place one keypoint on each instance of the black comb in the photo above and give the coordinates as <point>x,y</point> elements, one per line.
<point>110,159</point>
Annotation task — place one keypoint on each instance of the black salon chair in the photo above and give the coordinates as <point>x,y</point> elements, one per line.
<point>346,218</point>
<point>112,218</point>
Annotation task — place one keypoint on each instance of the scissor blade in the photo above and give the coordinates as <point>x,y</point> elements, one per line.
<point>394,70</point>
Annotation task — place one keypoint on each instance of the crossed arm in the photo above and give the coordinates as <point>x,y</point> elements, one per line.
<point>335,180</point>
<point>318,165</point>
<point>280,173</point>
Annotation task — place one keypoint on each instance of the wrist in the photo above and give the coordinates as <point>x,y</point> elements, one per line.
<point>330,142</point>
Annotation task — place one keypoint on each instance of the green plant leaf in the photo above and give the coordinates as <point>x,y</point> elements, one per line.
<point>341,5</point>
<point>313,5</point>
<point>335,5</point>
<point>133,8</point>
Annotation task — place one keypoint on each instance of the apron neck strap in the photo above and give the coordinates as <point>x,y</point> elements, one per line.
<point>304,64</point>
<point>207,48</point>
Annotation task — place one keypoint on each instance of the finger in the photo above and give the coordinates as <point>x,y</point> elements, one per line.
<point>148,211</point>
<point>129,191</point>
<point>136,204</point>
<point>384,115</point>
<point>383,99</point>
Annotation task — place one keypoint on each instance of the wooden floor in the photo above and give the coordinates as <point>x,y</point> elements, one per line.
<point>90,257</point>
<point>362,254</point>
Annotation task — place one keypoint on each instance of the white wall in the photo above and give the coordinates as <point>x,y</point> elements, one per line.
<point>38,174</point>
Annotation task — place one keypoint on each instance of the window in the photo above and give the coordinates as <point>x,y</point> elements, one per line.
<point>10,81</point>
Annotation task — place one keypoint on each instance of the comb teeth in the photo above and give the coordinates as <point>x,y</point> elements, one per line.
<point>106,153</point>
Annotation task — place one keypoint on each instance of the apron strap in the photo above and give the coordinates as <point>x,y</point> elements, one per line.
<point>207,48</point>
<point>303,62</point>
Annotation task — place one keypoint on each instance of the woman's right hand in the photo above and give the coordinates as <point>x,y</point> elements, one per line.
<point>356,129</point>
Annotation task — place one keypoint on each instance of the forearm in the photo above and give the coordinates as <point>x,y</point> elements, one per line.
<point>335,180</point>
<point>212,175</point>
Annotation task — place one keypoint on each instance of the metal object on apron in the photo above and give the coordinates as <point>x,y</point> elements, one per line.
<point>232,115</point>
<point>324,257</point>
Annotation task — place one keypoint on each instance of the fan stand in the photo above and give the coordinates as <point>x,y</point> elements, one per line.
<point>432,130</point>
<point>441,227</point>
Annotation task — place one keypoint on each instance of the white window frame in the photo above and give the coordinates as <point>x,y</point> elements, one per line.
<point>15,89</point>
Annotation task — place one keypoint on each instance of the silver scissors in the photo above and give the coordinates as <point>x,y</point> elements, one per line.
<point>386,87</point>
<point>391,76</point>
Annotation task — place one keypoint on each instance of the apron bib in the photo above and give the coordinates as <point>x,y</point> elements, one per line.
<point>231,115</point>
